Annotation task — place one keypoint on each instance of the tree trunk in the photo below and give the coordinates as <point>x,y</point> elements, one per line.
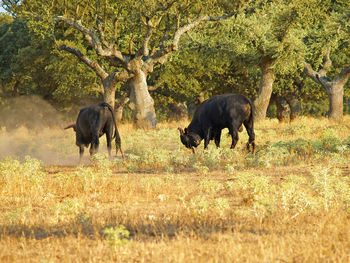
<point>335,95</point>
<point>294,105</point>
<point>109,88</point>
<point>283,109</point>
<point>119,107</point>
<point>265,88</point>
<point>142,103</point>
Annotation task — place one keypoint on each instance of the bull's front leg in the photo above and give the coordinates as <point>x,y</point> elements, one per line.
<point>217,137</point>
<point>234,135</point>
<point>207,138</point>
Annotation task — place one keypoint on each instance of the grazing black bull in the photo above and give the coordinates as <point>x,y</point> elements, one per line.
<point>91,124</point>
<point>219,112</point>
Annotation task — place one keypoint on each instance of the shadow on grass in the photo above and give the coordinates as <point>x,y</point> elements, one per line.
<point>139,231</point>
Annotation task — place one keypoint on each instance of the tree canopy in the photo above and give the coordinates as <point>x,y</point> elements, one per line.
<point>211,58</point>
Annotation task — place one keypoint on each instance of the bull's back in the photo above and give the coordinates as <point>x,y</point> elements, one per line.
<point>221,109</point>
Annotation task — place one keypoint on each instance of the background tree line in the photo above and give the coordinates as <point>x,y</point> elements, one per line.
<point>289,57</point>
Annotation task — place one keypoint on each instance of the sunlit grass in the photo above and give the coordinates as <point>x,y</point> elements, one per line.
<point>290,201</point>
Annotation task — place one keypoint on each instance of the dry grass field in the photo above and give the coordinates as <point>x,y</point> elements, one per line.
<point>288,202</point>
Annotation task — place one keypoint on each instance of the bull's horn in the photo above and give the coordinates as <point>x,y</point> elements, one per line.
<point>181,130</point>
<point>193,151</point>
<point>70,126</point>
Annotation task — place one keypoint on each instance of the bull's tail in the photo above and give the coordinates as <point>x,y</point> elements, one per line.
<point>250,127</point>
<point>116,135</point>
<point>252,113</point>
<point>105,104</point>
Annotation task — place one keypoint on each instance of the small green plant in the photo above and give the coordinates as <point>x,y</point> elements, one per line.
<point>116,236</point>
<point>210,187</point>
<point>221,205</point>
<point>332,189</point>
<point>102,163</point>
<point>329,141</point>
<point>18,215</point>
<point>199,205</point>
<point>203,169</point>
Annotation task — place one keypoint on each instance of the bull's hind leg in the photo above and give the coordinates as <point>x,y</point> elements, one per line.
<point>81,152</point>
<point>234,134</point>
<point>94,144</point>
<point>109,142</point>
<point>248,124</point>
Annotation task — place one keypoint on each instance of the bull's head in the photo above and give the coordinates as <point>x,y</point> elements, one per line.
<point>189,139</point>
<point>74,126</point>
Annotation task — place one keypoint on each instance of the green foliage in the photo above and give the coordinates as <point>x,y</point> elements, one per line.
<point>329,142</point>
<point>116,236</point>
<point>214,58</point>
<point>30,169</point>
<point>331,188</point>
<point>210,187</point>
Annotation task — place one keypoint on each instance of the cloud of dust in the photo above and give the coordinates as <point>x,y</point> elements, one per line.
<point>31,126</point>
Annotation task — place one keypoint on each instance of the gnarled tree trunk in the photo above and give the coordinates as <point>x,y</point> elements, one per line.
<point>283,109</point>
<point>334,88</point>
<point>265,88</point>
<point>335,95</point>
<point>109,88</point>
<point>141,102</point>
<point>294,105</point>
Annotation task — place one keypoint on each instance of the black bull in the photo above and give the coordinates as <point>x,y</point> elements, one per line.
<point>91,124</point>
<point>219,112</point>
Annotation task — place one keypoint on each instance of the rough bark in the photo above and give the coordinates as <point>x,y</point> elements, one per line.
<point>283,109</point>
<point>294,105</point>
<point>335,95</point>
<point>144,115</point>
<point>334,88</point>
<point>119,107</point>
<point>265,88</point>
<point>109,92</point>
<point>178,111</point>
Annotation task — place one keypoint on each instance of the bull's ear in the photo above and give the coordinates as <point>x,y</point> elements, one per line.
<point>181,131</point>
<point>186,131</point>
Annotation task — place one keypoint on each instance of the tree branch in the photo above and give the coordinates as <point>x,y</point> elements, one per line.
<point>161,55</point>
<point>155,86</point>
<point>327,63</point>
<point>310,72</point>
<point>343,76</point>
<point>93,65</point>
<point>144,50</point>
<point>195,23</point>
<point>93,39</point>
<point>103,38</point>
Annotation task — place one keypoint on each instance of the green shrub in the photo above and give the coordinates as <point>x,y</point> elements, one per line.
<point>116,236</point>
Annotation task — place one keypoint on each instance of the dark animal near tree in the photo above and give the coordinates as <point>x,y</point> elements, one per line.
<point>219,112</point>
<point>91,124</point>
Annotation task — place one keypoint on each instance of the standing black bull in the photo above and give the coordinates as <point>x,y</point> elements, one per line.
<point>219,112</point>
<point>92,123</point>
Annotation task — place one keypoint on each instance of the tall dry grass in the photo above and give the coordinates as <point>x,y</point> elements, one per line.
<point>290,202</point>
